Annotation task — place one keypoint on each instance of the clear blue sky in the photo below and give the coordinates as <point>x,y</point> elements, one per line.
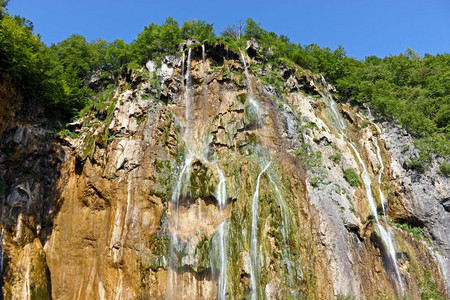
<point>363,27</point>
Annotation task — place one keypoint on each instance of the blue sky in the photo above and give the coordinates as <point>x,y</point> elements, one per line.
<point>363,27</point>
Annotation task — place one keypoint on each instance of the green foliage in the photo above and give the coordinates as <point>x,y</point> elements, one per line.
<point>156,41</point>
<point>197,29</point>
<point>444,168</point>
<point>352,177</point>
<point>315,181</point>
<point>364,124</point>
<point>416,232</point>
<point>417,164</point>
<point>66,132</point>
<point>406,88</point>
<point>308,157</point>
<point>335,158</point>
<point>345,297</point>
<point>429,288</point>
<point>31,66</point>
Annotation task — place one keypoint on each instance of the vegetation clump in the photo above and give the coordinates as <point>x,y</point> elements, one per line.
<point>416,232</point>
<point>444,168</point>
<point>335,158</point>
<point>352,177</point>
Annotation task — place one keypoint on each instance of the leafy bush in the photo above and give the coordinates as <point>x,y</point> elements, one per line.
<point>444,168</point>
<point>308,157</point>
<point>315,181</point>
<point>352,177</point>
<point>429,288</point>
<point>197,29</point>
<point>335,158</point>
<point>416,232</point>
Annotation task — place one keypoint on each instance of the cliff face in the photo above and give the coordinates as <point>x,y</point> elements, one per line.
<point>201,179</point>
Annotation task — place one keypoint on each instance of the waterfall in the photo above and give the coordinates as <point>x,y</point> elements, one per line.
<point>183,177</point>
<point>254,270</point>
<point>254,105</point>
<point>204,89</point>
<point>188,102</point>
<point>384,233</point>
<point>340,122</point>
<point>247,75</point>
<point>366,180</point>
<point>174,243</point>
<point>221,195</point>
<point>193,149</point>
<point>380,173</point>
<point>285,222</point>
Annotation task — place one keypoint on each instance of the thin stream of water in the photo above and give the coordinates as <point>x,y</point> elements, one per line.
<point>384,233</point>
<point>254,270</point>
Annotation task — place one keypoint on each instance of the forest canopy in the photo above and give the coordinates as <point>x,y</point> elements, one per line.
<point>407,88</point>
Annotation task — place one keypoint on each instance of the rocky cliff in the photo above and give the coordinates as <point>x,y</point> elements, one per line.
<point>216,174</point>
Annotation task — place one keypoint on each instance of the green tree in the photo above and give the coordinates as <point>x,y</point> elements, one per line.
<point>197,29</point>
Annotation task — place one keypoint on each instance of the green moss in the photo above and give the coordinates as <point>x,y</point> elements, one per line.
<point>140,119</point>
<point>364,124</point>
<point>242,98</point>
<point>66,132</point>
<point>335,158</point>
<point>202,253</point>
<point>415,231</point>
<point>203,181</point>
<point>429,288</point>
<point>97,120</point>
<point>164,179</point>
<point>308,157</point>
<point>315,181</point>
<point>38,278</point>
<point>352,177</point>
<point>345,297</point>
<point>89,147</point>
<point>159,244</point>
<point>444,168</point>
<point>166,128</point>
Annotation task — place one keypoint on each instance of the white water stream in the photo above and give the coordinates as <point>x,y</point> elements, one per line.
<point>194,151</point>
<point>384,233</point>
<point>380,173</point>
<point>221,195</point>
<point>254,105</point>
<point>254,270</point>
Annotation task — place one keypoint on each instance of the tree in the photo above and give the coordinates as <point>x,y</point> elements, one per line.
<point>170,36</point>
<point>197,29</point>
<point>234,31</point>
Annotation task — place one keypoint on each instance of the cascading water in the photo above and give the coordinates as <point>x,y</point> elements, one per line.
<point>188,102</point>
<point>254,270</point>
<point>221,195</point>
<point>384,233</point>
<point>254,105</point>
<point>285,225</point>
<point>194,149</point>
<point>178,188</point>
<point>174,242</point>
<point>380,173</point>
<point>205,92</point>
